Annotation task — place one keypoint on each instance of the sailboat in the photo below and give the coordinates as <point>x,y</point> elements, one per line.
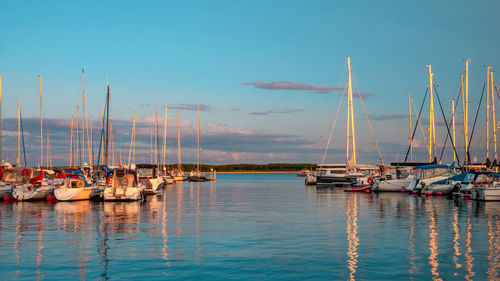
<point>121,184</point>
<point>350,173</point>
<point>179,174</point>
<point>38,187</point>
<point>197,175</point>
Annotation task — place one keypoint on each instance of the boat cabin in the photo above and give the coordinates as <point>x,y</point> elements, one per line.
<point>122,178</point>
<point>146,170</point>
<point>18,175</point>
<point>75,181</point>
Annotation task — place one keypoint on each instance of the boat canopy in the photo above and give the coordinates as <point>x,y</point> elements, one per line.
<point>436,166</point>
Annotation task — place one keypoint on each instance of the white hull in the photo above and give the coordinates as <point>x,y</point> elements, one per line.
<point>154,187</point>
<point>28,193</point>
<point>74,194</point>
<point>486,194</point>
<point>5,191</point>
<point>123,194</point>
<point>391,185</point>
<point>416,183</point>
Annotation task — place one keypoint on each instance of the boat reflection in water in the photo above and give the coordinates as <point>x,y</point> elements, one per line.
<point>352,234</point>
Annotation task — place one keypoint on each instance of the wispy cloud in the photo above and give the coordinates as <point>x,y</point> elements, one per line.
<point>269,112</point>
<point>287,85</point>
<point>385,117</point>
<point>203,107</point>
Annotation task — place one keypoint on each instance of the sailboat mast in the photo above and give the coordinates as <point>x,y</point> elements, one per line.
<point>156,135</point>
<point>78,158</point>
<point>151,147</point>
<point>71,145</point>
<point>494,124</point>
<point>198,164</point>
<point>131,142</point>
<point>133,151</point>
<point>466,124</point>
<point>18,159</point>
<point>41,123</point>
<point>463,111</point>
<point>409,127</point>
<point>488,112</point>
<point>350,117</point>
<point>0,118</point>
<point>453,124</point>
<point>84,120</point>
<point>164,135</point>
<point>178,141</point>
<point>432,133</point>
<point>48,155</point>
<point>106,143</point>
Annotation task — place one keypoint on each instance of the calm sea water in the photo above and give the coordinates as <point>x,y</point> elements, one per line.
<point>252,227</point>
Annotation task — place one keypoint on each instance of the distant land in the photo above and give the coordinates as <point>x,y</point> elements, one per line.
<point>238,168</point>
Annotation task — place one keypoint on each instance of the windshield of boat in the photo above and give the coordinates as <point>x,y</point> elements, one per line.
<point>145,172</point>
<point>436,172</point>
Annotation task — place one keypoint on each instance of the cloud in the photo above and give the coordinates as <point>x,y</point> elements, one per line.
<point>193,107</point>
<point>269,112</point>
<point>287,85</point>
<point>384,117</point>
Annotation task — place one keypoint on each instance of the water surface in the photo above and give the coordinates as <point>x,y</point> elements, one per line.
<point>250,227</point>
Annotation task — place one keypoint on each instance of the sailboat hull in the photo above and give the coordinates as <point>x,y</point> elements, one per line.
<point>74,194</point>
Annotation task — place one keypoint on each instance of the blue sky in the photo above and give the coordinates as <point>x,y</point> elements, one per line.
<point>189,52</point>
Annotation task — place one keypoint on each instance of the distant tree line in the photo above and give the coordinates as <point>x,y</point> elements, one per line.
<point>273,167</point>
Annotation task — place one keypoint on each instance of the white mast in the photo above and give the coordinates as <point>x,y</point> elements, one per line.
<point>156,136</point>
<point>432,128</point>
<point>18,159</point>
<point>198,164</point>
<point>409,127</point>
<point>178,141</point>
<point>151,147</point>
<point>71,145</point>
<point>77,154</point>
<point>131,141</point>
<point>350,119</point>
<point>488,112</point>
<point>164,135</point>
<point>0,118</point>
<point>41,124</point>
<point>493,114</point>
<point>84,120</point>
<point>453,123</point>
<point>466,113</point>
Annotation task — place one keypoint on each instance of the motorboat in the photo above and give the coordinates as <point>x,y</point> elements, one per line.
<point>486,187</point>
<point>75,187</point>
<point>149,178</point>
<point>426,175</point>
<point>123,185</point>
<point>393,181</point>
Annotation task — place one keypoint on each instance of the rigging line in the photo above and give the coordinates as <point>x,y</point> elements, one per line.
<point>22,133</point>
<point>369,123</point>
<point>453,116</point>
<point>416,125</point>
<point>475,119</point>
<point>333,127</point>
<point>445,122</point>
<point>479,143</point>
<point>421,129</point>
